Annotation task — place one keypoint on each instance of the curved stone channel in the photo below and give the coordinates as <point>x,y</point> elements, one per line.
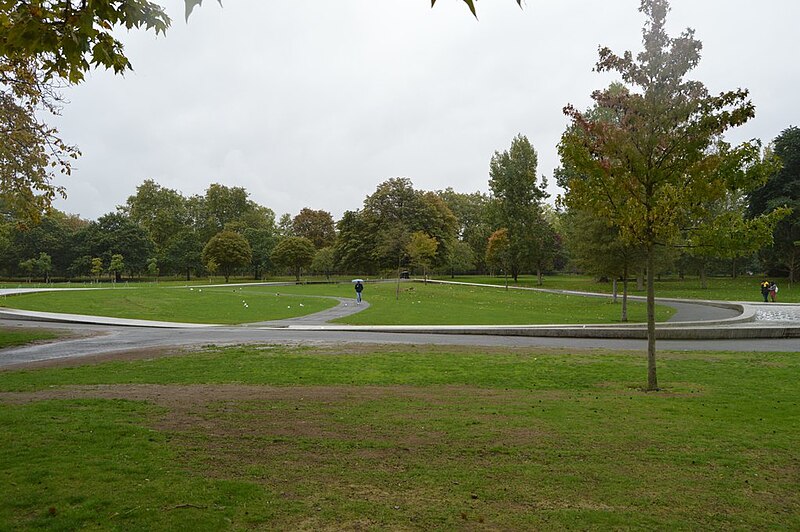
<point>778,313</point>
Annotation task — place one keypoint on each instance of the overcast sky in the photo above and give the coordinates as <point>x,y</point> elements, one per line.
<point>309,103</point>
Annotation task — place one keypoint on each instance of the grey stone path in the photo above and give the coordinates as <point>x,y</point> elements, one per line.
<point>346,307</point>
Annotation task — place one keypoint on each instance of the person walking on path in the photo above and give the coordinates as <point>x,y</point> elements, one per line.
<point>765,290</point>
<point>359,289</point>
<point>773,292</point>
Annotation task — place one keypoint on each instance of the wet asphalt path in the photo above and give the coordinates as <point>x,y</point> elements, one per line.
<point>93,339</point>
<point>104,339</point>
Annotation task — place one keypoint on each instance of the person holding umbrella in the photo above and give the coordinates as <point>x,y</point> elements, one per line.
<point>359,289</point>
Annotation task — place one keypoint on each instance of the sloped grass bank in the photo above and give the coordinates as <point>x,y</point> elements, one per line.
<point>411,304</point>
<point>743,288</point>
<point>400,438</point>
<point>218,304</point>
<point>437,304</point>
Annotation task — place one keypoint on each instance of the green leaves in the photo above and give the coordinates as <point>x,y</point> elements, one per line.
<point>470,4</point>
<point>190,6</point>
<point>65,38</point>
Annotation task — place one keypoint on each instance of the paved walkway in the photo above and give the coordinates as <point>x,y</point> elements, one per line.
<point>346,307</point>
<point>695,326</point>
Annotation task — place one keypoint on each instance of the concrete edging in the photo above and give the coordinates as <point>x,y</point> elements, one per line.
<point>731,328</point>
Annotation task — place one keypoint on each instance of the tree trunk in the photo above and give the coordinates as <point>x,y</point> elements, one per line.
<point>734,273</point>
<point>188,274</point>
<point>652,380</point>
<point>614,290</point>
<point>397,288</point>
<point>640,281</point>
<point>793,265</point>
<point>539,280</point>
<point>625,294</point>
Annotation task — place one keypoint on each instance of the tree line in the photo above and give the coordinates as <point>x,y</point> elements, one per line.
<point>650,181</point>
<point>511,230</point>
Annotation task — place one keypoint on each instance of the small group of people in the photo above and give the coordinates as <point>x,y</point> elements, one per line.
<point>769,290</point>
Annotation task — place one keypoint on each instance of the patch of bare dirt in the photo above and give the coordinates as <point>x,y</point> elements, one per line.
<point>180,397</point>
<point>91,360</point>
<point>269,433</point>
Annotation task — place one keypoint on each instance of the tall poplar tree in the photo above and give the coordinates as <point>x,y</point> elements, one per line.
<point>656,166</point>
<point>517,198</point>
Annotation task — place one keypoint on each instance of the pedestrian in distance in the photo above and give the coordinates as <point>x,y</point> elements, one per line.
<point>359,289</point>
<point>765,290</point>
<point>773,292</point>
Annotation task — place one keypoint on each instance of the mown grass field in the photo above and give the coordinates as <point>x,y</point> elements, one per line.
<point>363,437</point>
<point>415,303</point>
<point>11,337</point>
<point>222,305</point>
<point>743,288</point>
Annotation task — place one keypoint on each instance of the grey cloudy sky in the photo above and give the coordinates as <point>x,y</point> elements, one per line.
<point>308,103</point>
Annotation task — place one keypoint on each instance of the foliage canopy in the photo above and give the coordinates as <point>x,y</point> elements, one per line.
<point>659,160</point>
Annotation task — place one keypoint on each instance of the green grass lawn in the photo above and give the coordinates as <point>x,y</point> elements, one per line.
<point>224,305</point>
<point>416,303</point>
<point>15,337</point>
<point>430,303</point>
<point>719,288</point>
<point>363,437</point>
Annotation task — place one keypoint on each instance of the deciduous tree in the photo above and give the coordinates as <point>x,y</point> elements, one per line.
<point>115,233</point>
<point>96,268</point>
<point>315,225</point>
<point>295,253</point>
<point>661,160</point>
<point>498,252</point>
<point>152,268</point>
<point>27,267</point>
<point>183,253</point>
<point>116,266</point>
<point>474,226</point>
<point>782,189</point>
<point>31,152</point>
<point>421,249</point>
<point>461,259</point>
<point>516,205</point>
<point>262,242</point>
<point>726,232</point>
<point>227,251</point>
<point>396,210</point>
<point>324,262</point>
<point>596,247</point>
<point>162,212</point>
<point>354,243</point>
